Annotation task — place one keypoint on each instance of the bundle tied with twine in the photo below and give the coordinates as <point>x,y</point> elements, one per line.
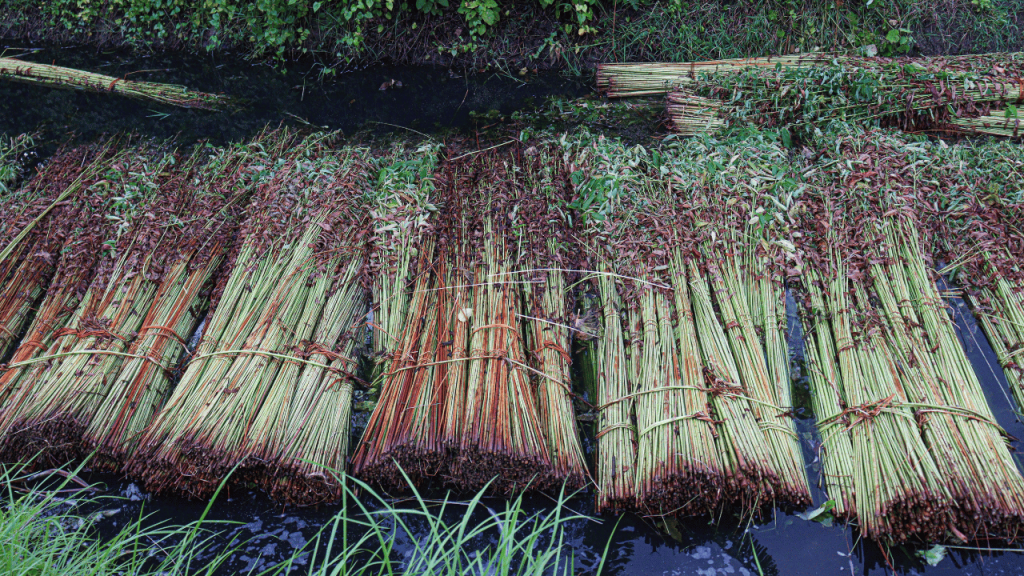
<point>545,246</point>
<point>621,80</point>
<point>632,79</point>
<point>875,463</point>
<point>42,216</point>
<point>300,434</point>
<point>57,400</point>
<point>83,236</point>
<point>403,212</point>
<point>458,403</point>
<point>979,224</point>
<point>211,191</point>
<point>53,76</point>
<point>737,193</point>
<point>905,339</point>
<point>706,403</point>
<point>951,95</point>
<point>404,216</point>
<point>265,317</point>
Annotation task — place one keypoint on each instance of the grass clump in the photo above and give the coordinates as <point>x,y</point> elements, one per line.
<point>50,531</point>
<point>13,150</point>
<point>51,526</point>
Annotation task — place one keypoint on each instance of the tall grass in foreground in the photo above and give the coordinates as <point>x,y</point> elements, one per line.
<point>44,533</point>
<point>49,533</point>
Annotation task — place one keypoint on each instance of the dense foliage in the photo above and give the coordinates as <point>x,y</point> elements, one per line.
<point>556,32</point>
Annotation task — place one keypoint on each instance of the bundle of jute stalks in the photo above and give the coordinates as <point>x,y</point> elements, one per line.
<point>979,232</point>
<point>293,263</point>
<point>631,79</point>
<point>208,193</point>
<point>801,93</point>
<point>545,245</point>
<point>80,234</point>
<point>457,402</point>
<point>404,217</point>
<point>60,77</point>
<point>911,94</point>
<point>623,80</point>
<point>692,368</point>
<point>403,214</point>
<point>895,362</point>
<point>741,191</point>
<point>42,216</point>
<point>55,404</point>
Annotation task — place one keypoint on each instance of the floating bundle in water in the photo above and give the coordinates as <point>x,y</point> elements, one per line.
<point>501,433</point>
<point>746,268</point>
<point>874,462</point>
<point>656,430</point>
<point>60,77</point>
<point>934,385</point>
<point>912,94</point>
<point>656,78</point>
<point>653,449</point>
<point>270,306</point>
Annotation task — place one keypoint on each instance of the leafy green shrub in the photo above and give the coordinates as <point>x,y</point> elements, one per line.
<point>273,26</point>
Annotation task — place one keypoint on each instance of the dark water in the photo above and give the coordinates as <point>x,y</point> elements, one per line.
<point>433,101</point>
<point>430,100</point>
<point>786,545</point>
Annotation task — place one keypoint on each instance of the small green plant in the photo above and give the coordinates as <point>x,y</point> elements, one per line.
<point>897,41</point>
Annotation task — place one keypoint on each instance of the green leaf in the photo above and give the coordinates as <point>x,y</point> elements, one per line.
<point>893,36</point>
<point>933,555</point>
<point>822,514</point>
<point>316,6</point>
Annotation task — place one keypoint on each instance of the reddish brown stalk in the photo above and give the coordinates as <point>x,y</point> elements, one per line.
<point>29,264</point>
